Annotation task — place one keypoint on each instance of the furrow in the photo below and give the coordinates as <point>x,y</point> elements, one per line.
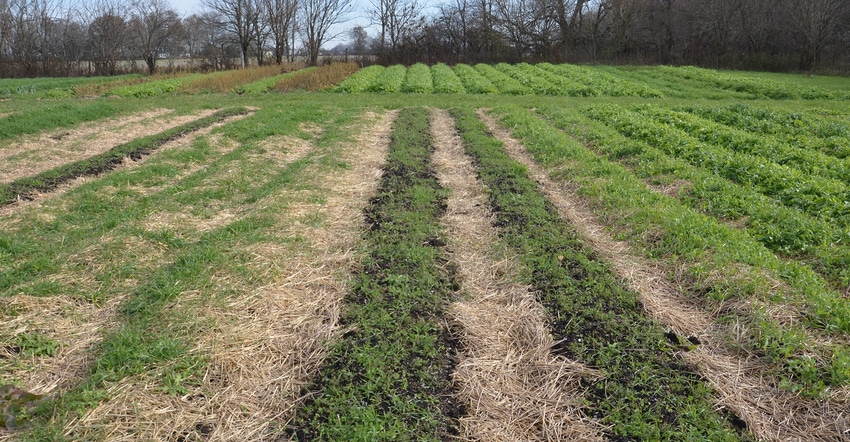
<point>514,388</point>
<point>770,414</point>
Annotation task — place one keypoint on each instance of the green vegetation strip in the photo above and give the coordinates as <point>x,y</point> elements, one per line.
<point>49,180</point>
<point>718,262</point>
<point>388,378</point>
<point>648,393</point>
<point>156,323</point>
<point>814,130</point>
<point>51,117</point>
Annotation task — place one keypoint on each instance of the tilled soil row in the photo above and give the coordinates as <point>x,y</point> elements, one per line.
<point>768,413</point>
<point>514,388</point>
<point>389,377</point>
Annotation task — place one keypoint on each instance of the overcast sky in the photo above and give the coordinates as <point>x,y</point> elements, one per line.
<point>358,17</point>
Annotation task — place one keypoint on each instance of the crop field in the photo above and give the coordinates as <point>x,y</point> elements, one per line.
<point>472,252</point>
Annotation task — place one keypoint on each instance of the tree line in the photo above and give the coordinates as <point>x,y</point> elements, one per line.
<point>106,37</point>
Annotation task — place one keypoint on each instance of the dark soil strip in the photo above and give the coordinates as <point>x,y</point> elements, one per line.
<point>649,393</point>
<point>47,181</point>
<point>388,378</point>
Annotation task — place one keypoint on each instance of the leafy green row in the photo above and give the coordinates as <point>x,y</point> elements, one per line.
<point>648,392</point>
<point>473,81</point>
<point>782,229</point>
<point>361,80</point>
<point>819,197</point>
<point>503,82</point>
<point>602,82</point>
<point>418,80</point>
<point>565,85</point>
<point>51,87</point>
<point>671,85</point>
<point>390,80</point>
<point>704,246</point>
<point>388,379</point>
<point>758,87</point>
<point>445,80</point>
<point>153,88</point>
<point>804,131</point>
<point>778,150</point>
<point>49,180</point>
<point>529,77</point>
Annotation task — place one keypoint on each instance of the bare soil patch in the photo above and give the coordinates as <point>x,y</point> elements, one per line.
<point>267,345</point>
<point>769,413</point>
<point>514,388</point>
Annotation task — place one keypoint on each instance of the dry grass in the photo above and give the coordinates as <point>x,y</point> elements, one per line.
<point>228,81</point>
<point>770,414</point>
<point>74,323</point>
<point>95,89</point>
<point>513,386</point>
<point>268,344</point>
<point>317,79</point>
<point>38,154</point>
<point>36,202</point>
<point>673,189</point>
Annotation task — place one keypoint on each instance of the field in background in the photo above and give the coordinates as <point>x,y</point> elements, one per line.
<point>205,257</point>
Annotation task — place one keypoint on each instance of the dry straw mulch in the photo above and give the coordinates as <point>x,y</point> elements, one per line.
<point>265,346</point>
<point>514,387</point>
<point>770,414</point>
<point>35,154</point>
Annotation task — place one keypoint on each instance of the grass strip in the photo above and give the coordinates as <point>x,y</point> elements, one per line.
<point>155,332</point>
<point>49,180</point>
<point>718,261</point>
<point>388,378</point>
<point>51,117</point>
<point>648,393</point>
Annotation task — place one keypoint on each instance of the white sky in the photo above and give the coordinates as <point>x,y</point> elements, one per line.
<point>358,17</point>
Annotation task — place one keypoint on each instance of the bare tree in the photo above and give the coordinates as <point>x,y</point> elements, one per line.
<point>317,17</point>
<point>716,25</point>
<point>815,23</point>
<point>280,17</point>
<point>238,17</point>
<point>759,23</point>
<point>69,42</point>
<point>153,24</point>
<point>359,40</point>
<point>396,18</point>
<point>107,35</point>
